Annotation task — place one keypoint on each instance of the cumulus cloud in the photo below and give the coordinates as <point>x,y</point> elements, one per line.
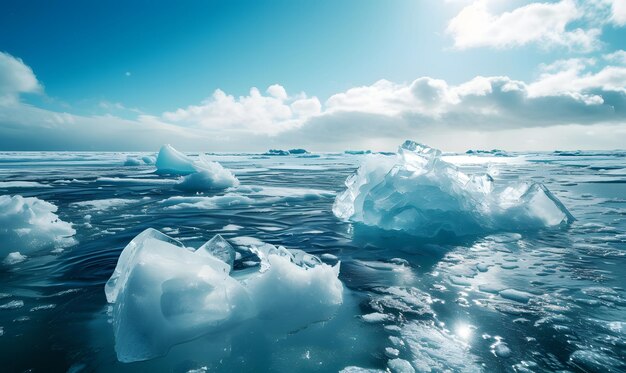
<point>585,96</point>
<point>618,57</point>
<point>618,11</point>
<point>15,78</point>
<point>546,24</point>
<point>571,77</point>
<point>256,112</point>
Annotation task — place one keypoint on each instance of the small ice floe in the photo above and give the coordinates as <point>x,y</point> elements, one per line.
<point>148,159</point>
<point>516,295</point>
<point>31,224</point>
<point>133,161</point>
<point>14,258</point>
<point>164,293</point>
<point>421,194</point>
<point>377,317</point>
<point>12,305</point>
<point>103,204</point>
<point>231,227</point>
<point>500,348</point>
<point>201,174</point>
<point>43,307</point>
<point>400,366</point>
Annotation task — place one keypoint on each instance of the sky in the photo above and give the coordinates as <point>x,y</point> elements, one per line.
<point>326,75</point>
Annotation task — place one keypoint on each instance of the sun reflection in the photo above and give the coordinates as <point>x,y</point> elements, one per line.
<point>464,331</point>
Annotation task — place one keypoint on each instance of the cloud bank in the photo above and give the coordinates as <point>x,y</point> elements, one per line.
<point>565,107</point>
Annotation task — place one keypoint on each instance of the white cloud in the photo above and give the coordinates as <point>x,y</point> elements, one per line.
<point>618,57</point>
<point>254,113</point>
<point>573,78</point>
<point>546,24</point>
<point>584,96</point>
<point>15,78</point>
<point>618,11</point>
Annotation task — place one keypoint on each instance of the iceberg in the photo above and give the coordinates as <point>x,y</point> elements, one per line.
<point>30,224</point>
<point>277,152</point>
<point>492,152</point>
<point>201,175</point>
<point>417,192</point>
<point>298,151</point>
<point>171,161</point>
<point>163,293</point>
<point>357,152</point>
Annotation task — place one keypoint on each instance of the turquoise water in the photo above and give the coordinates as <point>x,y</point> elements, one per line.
<point>549,300</point>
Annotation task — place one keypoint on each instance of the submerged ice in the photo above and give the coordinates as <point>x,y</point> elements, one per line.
<point>419,193</point>
<point>164,293</point>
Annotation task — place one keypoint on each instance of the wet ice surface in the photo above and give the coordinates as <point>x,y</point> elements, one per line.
<point>550,300</point>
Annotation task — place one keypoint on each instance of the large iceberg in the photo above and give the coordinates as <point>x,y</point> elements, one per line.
<point>201,174</point>
<point>30,224</point>
<point>163,293</point>
<point>419,193</point>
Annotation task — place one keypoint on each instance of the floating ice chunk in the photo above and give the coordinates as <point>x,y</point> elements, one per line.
<point>219,248</point>
<point>164,293</point>
<point>501,349</point>
<point>171,161</point>
<point>214,177</point>
<point>290,288</point>
<point>202,174</point>
<point>128,258</point>
<point>278,152</point>
<point>30,224</point>
<point>213,202</point>
<point>132,161</point>
<point>14,258</point>
<point>231,227</point>
<point>376,317</point>
<point>12,305</point>
<point>421,194</point>
<point>400,366</point>
<point>516,295</point>
<point>353,369</point>
<point>391,352</point>
<point>298,151</point>
<point>148,159</point>
<point>103,204</point>
<point>357,152</point>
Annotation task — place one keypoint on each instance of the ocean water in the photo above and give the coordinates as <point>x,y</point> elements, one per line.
<point>550,300</point>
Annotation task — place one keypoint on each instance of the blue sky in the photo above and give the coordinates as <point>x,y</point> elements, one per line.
<point>154,67</point>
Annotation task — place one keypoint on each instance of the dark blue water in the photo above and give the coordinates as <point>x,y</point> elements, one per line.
<point>550,300</point>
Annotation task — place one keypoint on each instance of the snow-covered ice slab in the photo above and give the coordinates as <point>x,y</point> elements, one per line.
<point>164,293</point>
<point>419,193</point>
<point>30,224</point>
<point>201,174</point>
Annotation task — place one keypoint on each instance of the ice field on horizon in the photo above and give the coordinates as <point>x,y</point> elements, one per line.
<point>313,262</point>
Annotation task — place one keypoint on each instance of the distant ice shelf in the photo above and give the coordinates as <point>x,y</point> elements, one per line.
<point>419,193</point>
<point>163,293</point>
